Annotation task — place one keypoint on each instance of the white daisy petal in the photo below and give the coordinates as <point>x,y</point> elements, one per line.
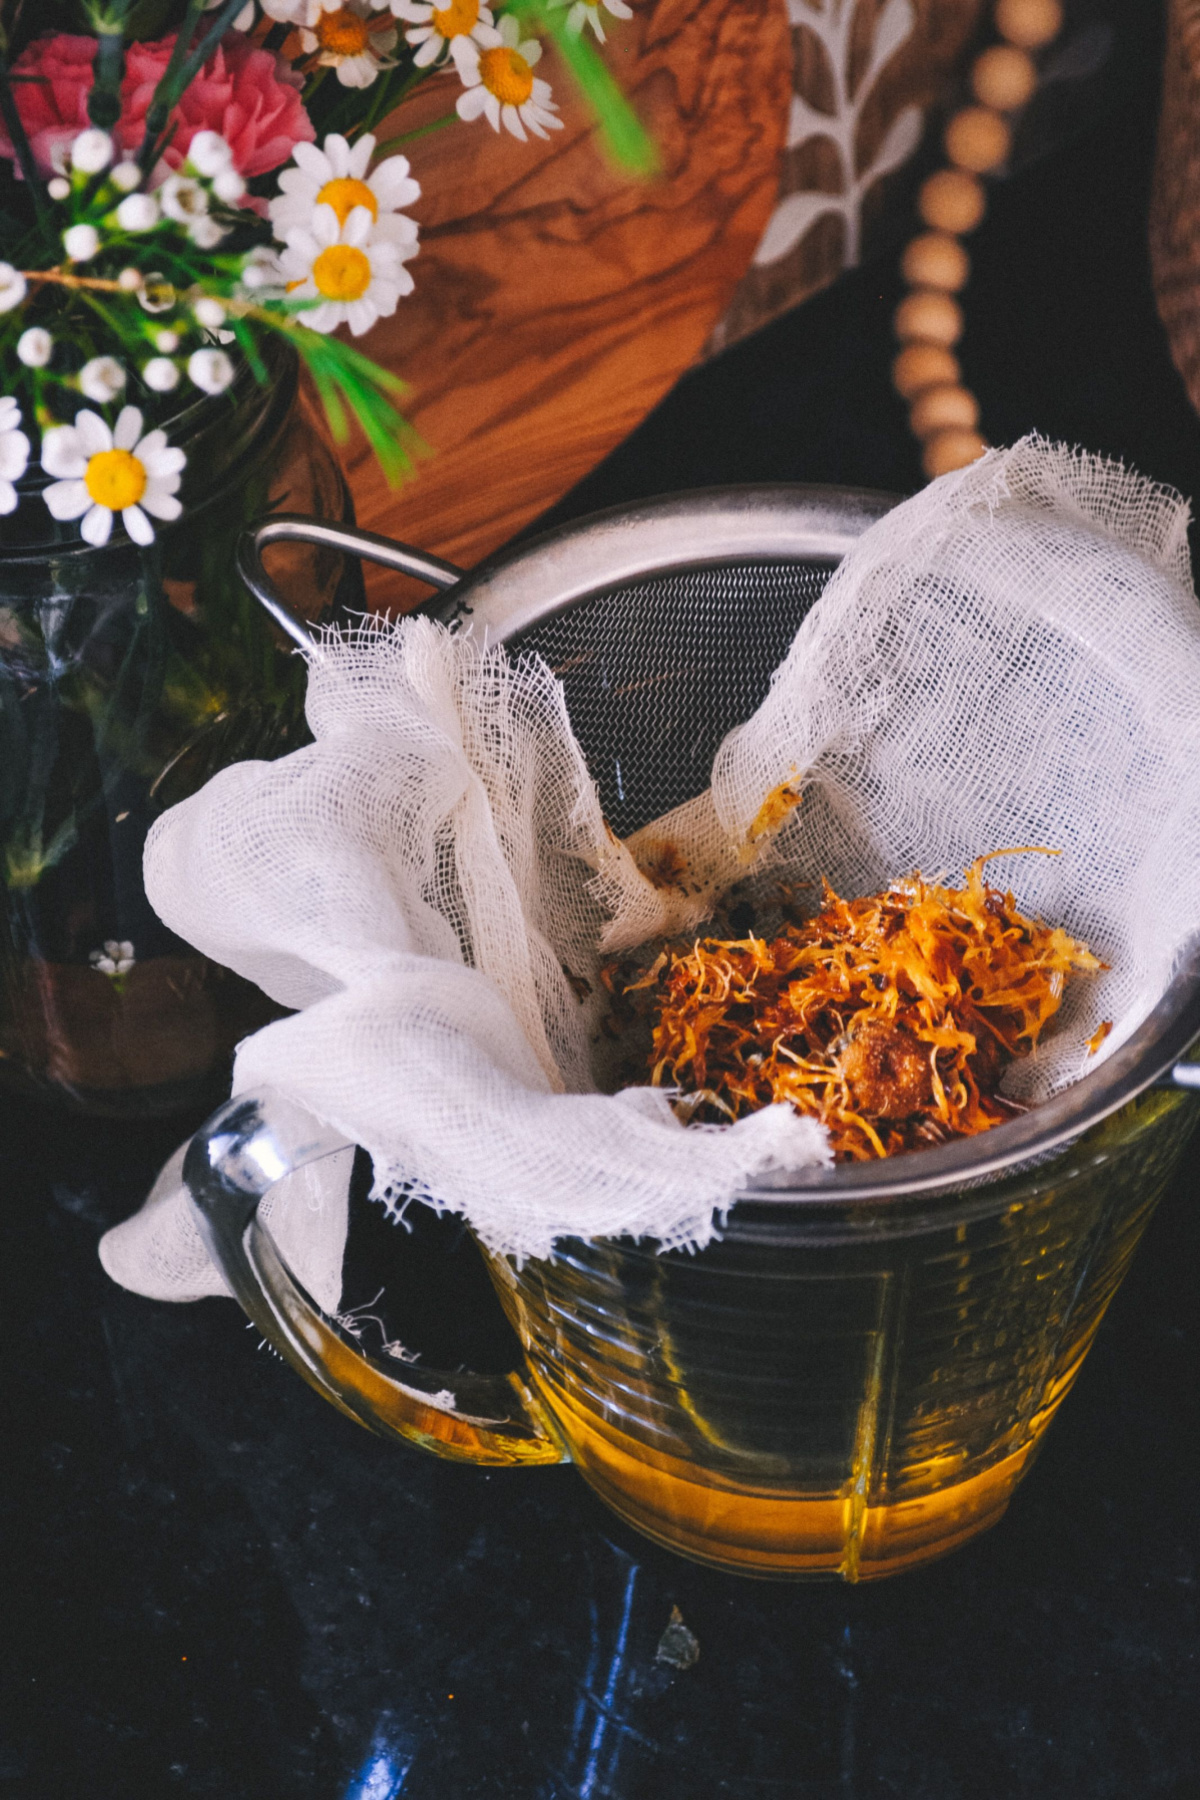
<point>358,227</point>
<point>492,111</point>
<point>470,104</point>
<point>430,47</point>
<point>510,118</point>
<point>14,455</point>
<point>62,451</point>
<point>137,525</point>
<point>97,526</point>
<point>8,497</point>
<point>128,428</point>
<point>361,315</point>
<point>325,226</point>
<point>66,499</point>
<point>162,504</point>
<point>361,153</point>
<point>314,162</point>
<point>337,150</point>
<point>94,434</point>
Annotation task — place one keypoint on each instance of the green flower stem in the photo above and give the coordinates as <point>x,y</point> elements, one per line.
<point>104,100</point>
<point>419,131</point>
<point>208,43</point>
<point>167,94</point>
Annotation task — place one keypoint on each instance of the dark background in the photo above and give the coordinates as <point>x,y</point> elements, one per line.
<point>213,1585</point>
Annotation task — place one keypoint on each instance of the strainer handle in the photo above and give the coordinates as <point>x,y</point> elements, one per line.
<point>299,528</point>
<point>248,1145</point>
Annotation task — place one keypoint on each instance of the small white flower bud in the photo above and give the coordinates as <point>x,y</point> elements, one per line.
<point>166,341</point>
<point>81,242</point>
<point>125,177</point>
<point>91,151</point>
<point>209,313</point>
<point>101,379</point>
<point>12,287</point>
<point>228,186</point>
<point>138,212</point>
<point>161,374</point>
<point>205,233</point>
<point>182,199</point>
<point>58,188</point>
<point>260,268</point>
<point>156,294</point>
<point>208,153</point>
<point>35,347</point>
<point>210,370</point>
<point>129,280</point>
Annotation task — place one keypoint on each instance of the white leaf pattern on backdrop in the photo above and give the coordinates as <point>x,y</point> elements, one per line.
<point>833,26</point>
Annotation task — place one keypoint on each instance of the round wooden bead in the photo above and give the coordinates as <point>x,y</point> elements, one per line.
<point>952,200</point>
<point>1004,77</point>
<point>928,316</point>
<point>977,139</point>
<point>1029,23</point>
<point>951,449</point>
<point>943,408</point>
<point>936,260</point>
<point>921,366</point>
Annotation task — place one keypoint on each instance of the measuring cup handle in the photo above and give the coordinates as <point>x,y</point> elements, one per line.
<point>245,1148</point>
<point>299,528</point>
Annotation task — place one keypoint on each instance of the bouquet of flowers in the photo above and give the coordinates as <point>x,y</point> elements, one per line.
<point>181,180</point>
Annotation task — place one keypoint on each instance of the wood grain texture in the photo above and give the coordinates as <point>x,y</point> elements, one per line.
<point>558,300</point>
<point>1175,206</point>
<point>918,73</point>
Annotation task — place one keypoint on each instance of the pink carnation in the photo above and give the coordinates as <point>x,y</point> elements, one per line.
<point>249,95</point>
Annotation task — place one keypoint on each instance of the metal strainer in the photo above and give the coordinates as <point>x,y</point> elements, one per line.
<point>664,622</point>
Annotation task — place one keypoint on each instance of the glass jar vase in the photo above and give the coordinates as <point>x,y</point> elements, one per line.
<point>128,676</point>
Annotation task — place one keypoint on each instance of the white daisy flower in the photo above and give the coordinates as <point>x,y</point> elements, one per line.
<point>298,12</point>
<point>105,472</point>
<point>358,276</point>
<point>438,26</point>
<point>336,176</point>
<point>583,12</point>
<point>353,40</point>
<point>14,452</point>
<point>497,72</point>
<point>116,958</point>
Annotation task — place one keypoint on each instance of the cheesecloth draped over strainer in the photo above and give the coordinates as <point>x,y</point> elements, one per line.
<point>1010,658</point>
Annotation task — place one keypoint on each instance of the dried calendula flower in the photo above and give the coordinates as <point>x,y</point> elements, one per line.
<point>890,1019</point>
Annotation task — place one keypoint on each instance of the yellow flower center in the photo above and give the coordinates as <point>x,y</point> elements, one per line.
<point>115,478</point>
<point>342,273</point>
<point>342,33</point>
<point>459,19</point>
<point>506,74</point>
<point>344,194</point>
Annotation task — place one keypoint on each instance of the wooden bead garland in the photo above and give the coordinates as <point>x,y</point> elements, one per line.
<point>944,414</point>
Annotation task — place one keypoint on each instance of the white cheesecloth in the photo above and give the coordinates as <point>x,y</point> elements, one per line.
<point>1012,657</point>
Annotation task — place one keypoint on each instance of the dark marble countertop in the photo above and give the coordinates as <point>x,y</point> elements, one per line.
<point>215,1586</point>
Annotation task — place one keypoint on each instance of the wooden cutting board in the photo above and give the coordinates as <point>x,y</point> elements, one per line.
<point>557,299</point>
